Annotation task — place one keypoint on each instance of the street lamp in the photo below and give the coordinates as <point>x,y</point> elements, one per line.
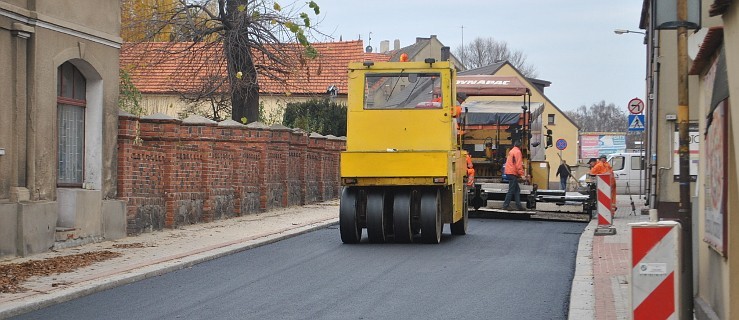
<point>622,31</point>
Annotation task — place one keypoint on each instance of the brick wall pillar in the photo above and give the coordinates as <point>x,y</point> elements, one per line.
<point>200,135</point>
<point>162,132</point>
<point>334,146</point>
<point>317,144</point>
<point>297,168</point>
<point>231,137</point>
<point>259,136</point>
<point>127,135</point>
<point>278,154</point>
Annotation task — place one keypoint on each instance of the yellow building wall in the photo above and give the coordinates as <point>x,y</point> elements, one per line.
<point>173,106</point>
<point>561,129</point>
<point>718,276</point>
<point>731,27</point>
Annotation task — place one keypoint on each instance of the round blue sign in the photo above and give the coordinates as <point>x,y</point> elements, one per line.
<point>561,144</point>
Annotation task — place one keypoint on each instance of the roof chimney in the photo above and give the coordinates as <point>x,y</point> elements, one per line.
<point>445,53</point>
<point>384,46</point>
<point>396,44</point>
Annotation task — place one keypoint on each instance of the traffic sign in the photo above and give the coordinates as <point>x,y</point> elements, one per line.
<point>561,144</point>
<point>636,122</point>
<point>636,106</point>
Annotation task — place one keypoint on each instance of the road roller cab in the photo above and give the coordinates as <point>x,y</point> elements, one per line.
<point>403,172</point>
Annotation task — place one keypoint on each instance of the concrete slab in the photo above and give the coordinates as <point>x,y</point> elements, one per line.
<point>37,225</point>
<point>114,219</point>
<point>605,231</point>
<point>8,229</point>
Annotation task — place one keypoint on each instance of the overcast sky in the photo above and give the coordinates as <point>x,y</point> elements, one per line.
<point>571,43</point>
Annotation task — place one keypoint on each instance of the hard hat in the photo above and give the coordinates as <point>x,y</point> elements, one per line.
<point>404,57</point>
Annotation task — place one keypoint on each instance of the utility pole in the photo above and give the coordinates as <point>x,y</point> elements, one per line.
<point>463,49</point>
<point>683,117</point>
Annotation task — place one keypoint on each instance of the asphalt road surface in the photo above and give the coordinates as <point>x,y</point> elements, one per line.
<point>502,269</point>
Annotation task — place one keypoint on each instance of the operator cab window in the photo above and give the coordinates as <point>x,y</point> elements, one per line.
<point>402,91</point>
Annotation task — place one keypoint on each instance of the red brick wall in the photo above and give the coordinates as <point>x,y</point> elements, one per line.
<point>173,174</point>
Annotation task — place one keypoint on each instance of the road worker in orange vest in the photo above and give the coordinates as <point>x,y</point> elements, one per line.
<point>514,170</point>
<point>470,172</point>
<point>603,167</point>
<point>457,111</point>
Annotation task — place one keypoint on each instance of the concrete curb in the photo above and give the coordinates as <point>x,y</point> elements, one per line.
<point>175,263</point>
<point>582,293</point>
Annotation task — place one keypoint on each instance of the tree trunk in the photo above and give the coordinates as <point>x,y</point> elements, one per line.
<point>244,91</point>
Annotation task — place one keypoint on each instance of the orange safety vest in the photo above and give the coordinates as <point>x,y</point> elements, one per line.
<point>600,168</point>
<point>470,171</point>
<point>603,167</point>
<point>514,163</point>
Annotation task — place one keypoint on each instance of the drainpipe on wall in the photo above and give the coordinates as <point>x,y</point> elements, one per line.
<point>654,173</point>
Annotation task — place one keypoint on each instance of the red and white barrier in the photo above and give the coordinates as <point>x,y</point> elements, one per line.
<point>605,203</point>
<point>655,270</point>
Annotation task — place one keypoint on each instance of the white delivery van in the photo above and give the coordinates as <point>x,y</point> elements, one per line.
<point>628,168</point>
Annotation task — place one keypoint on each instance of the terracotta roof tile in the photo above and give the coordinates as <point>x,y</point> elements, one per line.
<point>713,40</point>
<point>376,57</point>
<point>187,67</point>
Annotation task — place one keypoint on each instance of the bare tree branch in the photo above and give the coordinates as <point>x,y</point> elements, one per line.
<point>253,35</point>
<point>600,118</point>
<point>486,51</point>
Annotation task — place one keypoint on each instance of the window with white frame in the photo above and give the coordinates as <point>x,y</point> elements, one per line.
<point>71,103</point>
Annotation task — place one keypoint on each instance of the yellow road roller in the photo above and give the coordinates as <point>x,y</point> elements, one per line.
<point>404,174</point>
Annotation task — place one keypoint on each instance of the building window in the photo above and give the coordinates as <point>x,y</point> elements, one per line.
<point>550,118</point>
<point>71,103</point>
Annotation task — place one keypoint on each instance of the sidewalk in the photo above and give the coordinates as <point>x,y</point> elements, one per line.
<point>600,287</point>
<point>156,253</point>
